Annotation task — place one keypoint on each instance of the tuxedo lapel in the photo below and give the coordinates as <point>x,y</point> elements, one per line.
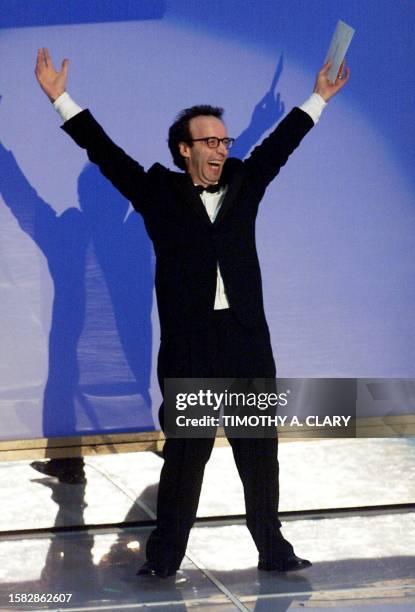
<point>192,199</point>
<point>234,181</point>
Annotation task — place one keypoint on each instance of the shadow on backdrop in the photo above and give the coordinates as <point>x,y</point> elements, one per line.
<point>266,113</point>
<point>100,261</point>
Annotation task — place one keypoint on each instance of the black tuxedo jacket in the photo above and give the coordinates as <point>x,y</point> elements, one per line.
<point>187,244</point>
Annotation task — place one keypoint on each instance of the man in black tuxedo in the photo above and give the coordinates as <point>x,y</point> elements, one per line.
<point>209,293</point>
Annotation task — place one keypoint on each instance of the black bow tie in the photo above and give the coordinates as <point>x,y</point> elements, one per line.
<point>210,188</point>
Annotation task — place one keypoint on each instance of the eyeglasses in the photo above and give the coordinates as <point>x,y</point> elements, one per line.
<point>213,141</point>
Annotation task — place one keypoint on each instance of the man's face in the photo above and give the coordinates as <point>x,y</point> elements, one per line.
<point>204,164</point>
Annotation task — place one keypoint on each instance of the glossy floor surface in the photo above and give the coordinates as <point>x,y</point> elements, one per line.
<point>81,544</point>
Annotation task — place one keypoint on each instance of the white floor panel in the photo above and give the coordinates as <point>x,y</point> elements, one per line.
<point>359,562</point>
<point>365,560</point>
<point>324,474</point>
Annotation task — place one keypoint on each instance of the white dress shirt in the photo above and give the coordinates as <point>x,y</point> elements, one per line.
<point>212,202</point>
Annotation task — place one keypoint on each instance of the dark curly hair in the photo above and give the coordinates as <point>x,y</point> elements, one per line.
<point>179,130</point>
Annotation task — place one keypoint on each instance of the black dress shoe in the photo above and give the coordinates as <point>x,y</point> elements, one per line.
<point>148,569</point>
<point>290,563</point>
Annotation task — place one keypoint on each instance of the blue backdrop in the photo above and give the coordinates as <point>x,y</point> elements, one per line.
<point>336,231</point>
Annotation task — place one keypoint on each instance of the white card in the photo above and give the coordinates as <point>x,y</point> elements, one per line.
<point>340,42</point>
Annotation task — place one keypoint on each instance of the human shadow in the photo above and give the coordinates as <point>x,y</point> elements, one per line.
<point>100,261</point>
<point>266,113</point>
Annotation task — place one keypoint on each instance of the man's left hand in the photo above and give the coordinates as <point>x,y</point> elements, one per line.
<point>324,87</point>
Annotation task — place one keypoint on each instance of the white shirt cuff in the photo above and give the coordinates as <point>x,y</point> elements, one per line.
<point>66,107</point>
<point>314,106</point>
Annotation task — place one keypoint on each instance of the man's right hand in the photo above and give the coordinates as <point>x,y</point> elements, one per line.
<point>52,82</point>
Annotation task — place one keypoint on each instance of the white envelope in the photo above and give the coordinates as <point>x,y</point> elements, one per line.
<point>340,42</point>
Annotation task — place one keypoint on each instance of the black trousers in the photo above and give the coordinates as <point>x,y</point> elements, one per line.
<point>225,349</point>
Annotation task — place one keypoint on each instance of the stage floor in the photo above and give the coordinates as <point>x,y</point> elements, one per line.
<point>88,540</point>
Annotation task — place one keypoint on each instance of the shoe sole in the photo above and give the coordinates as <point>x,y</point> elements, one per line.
<point>264,567</point>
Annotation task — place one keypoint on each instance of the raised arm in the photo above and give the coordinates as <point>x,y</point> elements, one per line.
<point>127,175</point>
<point>267,159</point>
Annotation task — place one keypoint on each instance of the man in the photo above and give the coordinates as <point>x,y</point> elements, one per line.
<point>209,293</point>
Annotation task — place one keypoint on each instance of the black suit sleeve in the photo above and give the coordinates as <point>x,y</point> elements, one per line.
<point>267,159</point>
<point>127,175</point>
